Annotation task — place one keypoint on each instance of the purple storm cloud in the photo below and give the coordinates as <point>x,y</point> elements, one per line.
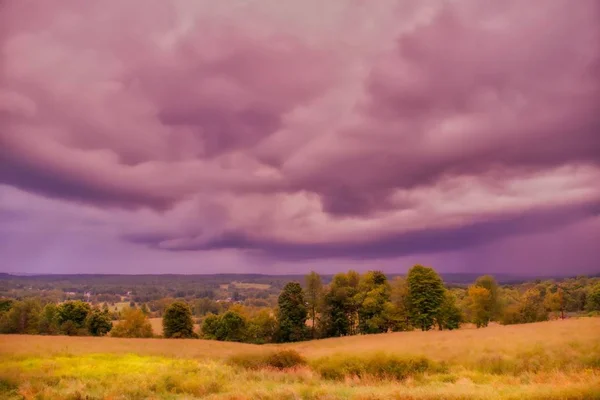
<point>145,136</point>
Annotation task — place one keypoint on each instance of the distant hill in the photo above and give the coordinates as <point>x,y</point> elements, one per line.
<point>450,277</point>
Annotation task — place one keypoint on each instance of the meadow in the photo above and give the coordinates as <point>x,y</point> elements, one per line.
<point>546,360</point>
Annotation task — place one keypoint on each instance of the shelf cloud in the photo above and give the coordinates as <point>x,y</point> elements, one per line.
<point>194,136</point>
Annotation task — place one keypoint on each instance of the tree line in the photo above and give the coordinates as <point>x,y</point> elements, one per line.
<point>349,304</point>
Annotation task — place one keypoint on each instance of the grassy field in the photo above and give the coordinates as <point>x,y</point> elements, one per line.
<point>119,306</point>
<point>548,360</point>
<point>244,285</point>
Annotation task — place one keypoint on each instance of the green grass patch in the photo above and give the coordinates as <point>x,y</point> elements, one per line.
<point>106,375</point>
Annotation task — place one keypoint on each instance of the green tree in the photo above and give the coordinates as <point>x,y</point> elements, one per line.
<point>480,305</point>
<point>314,297</point>
<point>262,328</point>
<point>339,312</point>
<point>373,294</point>
<point>5,305</point>
<point>488,282</point>
<point>450,316</point>
<point>177,321</point>
<point>133,324</point>
<point>593,299</point>
<point>352,305</point>
<point>532,306</point>
<point>71,316</point>
<point>396,311</point>
<point>576,299</point>
<point>426,295</point>
<point>292,314</point>
<point>22,317</point>
<point>98,322</point>
<point>209,326</point>
<point>231,327</point>
<point>48,321</point>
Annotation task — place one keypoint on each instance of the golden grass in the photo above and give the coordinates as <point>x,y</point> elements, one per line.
<point>437,345</point>
<point>244,285</point>
<point>26,345</point>
<point>548,360</point>
<point>465,344</point>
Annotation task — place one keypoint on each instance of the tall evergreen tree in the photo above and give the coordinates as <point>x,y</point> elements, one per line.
<point>426,295</point>
<point>292,314</point>
<point>177,321</point>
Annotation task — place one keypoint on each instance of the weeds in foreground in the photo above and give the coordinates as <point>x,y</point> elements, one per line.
<point>378,365</point>
<point>337,377</point>
<point>554,360</point>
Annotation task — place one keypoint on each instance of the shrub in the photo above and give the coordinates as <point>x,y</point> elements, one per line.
<point>285,359</point>
<point>98,322</point>
<point>379,365</point>
<point>134,325</point>
<point>281,359</point>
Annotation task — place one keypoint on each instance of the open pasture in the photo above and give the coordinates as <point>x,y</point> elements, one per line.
<point>557,359</point>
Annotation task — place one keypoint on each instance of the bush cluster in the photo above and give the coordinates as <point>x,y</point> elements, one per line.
<point>280,359</point>
<point>378,365</point>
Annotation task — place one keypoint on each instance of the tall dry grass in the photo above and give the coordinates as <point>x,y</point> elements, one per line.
<point>550,360</point>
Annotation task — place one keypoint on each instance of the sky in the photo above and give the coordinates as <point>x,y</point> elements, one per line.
<point>202,136</point>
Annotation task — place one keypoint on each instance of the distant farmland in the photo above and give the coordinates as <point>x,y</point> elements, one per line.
<point>245,285</point>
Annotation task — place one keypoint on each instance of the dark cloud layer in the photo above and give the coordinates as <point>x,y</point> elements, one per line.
<point>261,129</point>
<point>394,245</point>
